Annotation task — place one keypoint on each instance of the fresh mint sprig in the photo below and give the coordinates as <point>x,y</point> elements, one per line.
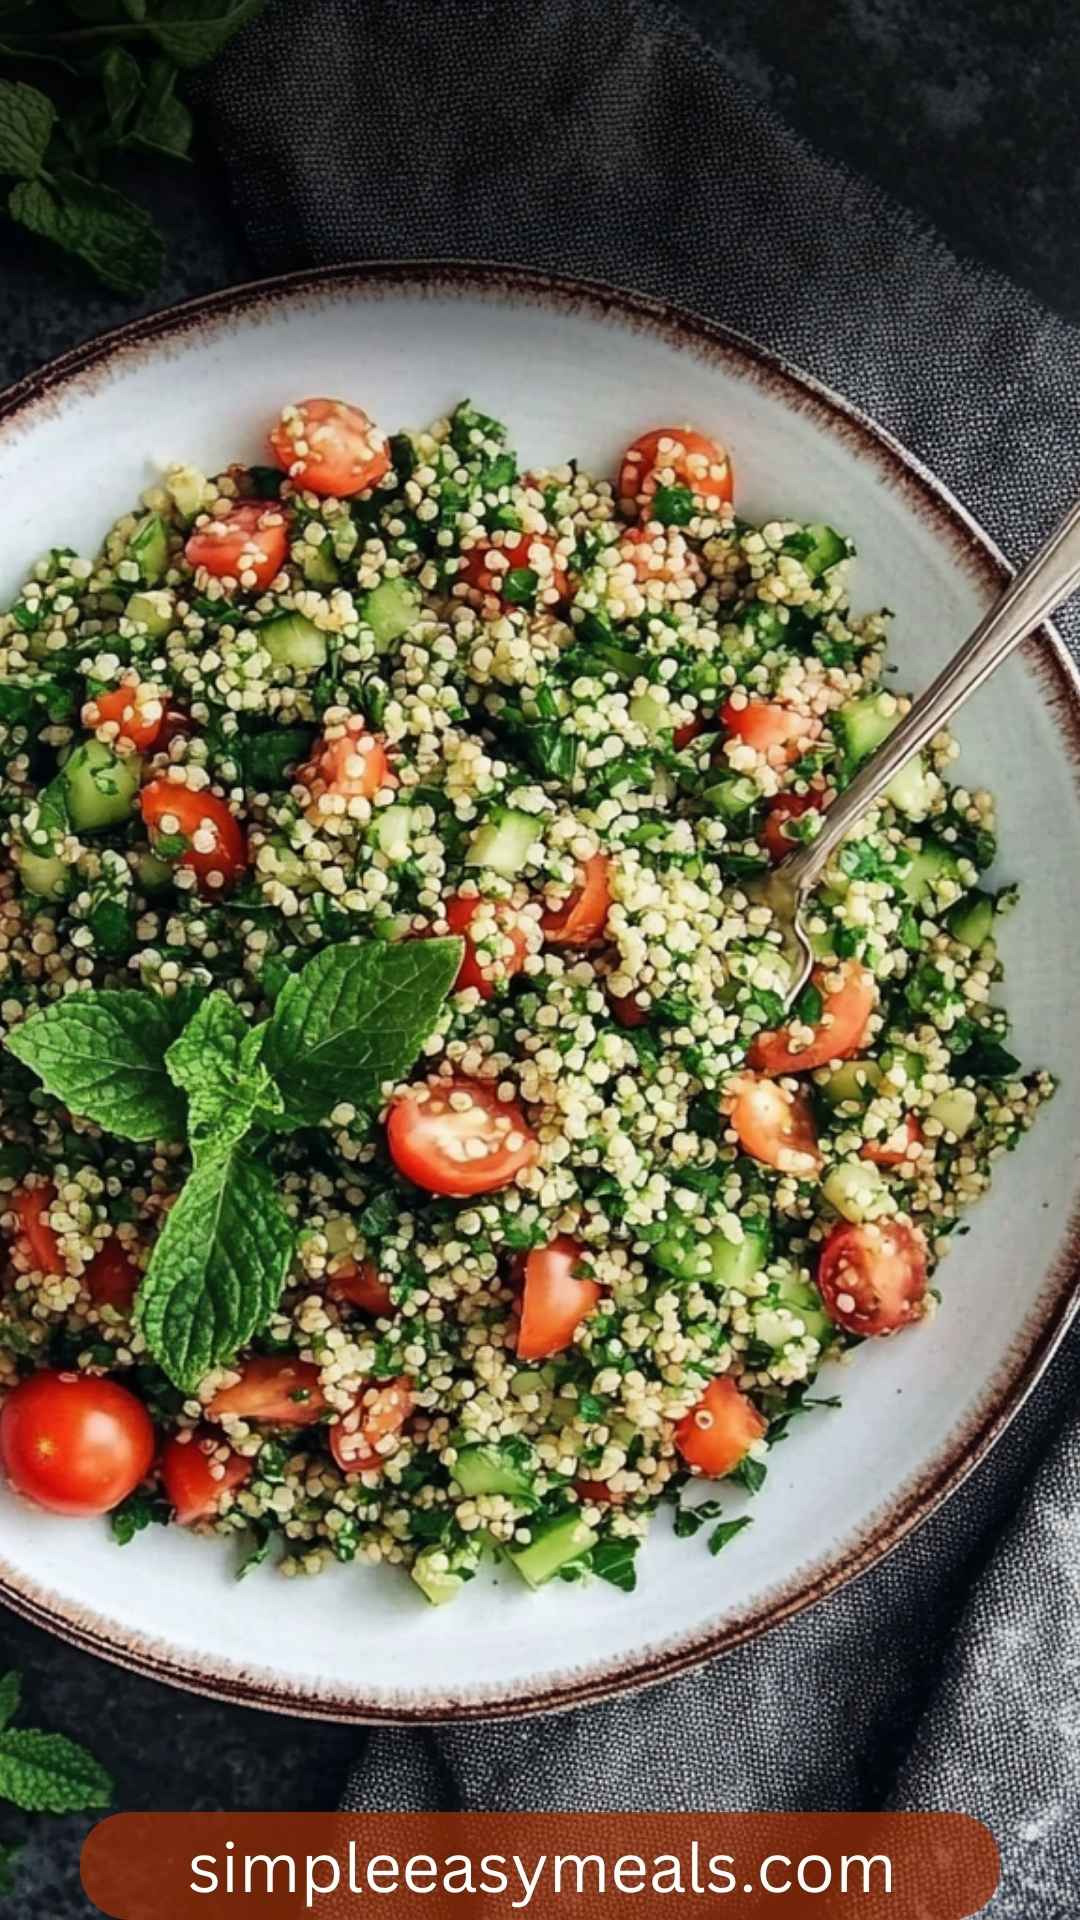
<point>146,1068</point>
<point>46,1772</point>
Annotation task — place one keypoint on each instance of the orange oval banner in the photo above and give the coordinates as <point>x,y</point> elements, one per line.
<point>897,1866</point>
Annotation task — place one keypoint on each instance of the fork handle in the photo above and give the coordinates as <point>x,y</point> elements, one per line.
<point>1047,579</point>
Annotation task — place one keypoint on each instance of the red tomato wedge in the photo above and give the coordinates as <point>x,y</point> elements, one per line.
<point>361,1285</point>
<point>580,919</point>
<point>329,447</point>
<point>249,544</point>
<point>872,1277</point>
<point>457,1137</point>
<point>776,1127</point>
<point>599,1492</point>
<point>112,1278</point>
<point>778,811</point>
<point>485,566</point>
<point>497,953</point>
<point>272,1388</point>
<point>769,727</point>
<point>555,1301</point>
<point>197,1473</point>
<point>351,766</point>
<point>896,1149</point>
<point>720,1430</point>
<point>31,1207</point>
<point>215,848</point>
<point>75,1443</point>
<point>137,712</point>
<point>381,1411</point>
<point>674,457</point>
<point>848,999</point>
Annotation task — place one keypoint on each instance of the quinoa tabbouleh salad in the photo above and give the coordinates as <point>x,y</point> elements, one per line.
<point>407,1154</point>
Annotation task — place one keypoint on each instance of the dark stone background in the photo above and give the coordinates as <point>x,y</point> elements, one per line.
<point>966,110</point>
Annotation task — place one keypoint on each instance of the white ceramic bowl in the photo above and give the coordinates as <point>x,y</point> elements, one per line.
<point>579,371</point>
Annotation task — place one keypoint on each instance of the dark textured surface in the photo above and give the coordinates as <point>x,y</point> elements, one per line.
<point>965,111</point>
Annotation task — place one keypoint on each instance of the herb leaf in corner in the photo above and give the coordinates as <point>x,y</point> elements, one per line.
<point>111,234</point>
<point>356,1016</point>
<point>218,1267</point>
<point>216,1061</point>
<point>103,1054</point>
<point>47,1773</point>
<point>26,123</point>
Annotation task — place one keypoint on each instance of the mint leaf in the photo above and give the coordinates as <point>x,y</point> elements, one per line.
<point>163,122</point>
<point>109,232</point>
<point>191,31</point>
<point>103,1054</point>
<point>218,1267</point>
<point>727,1530</point>
<point>353,1018</point>
<point>613,1560</point>
<point>216,1061</point>
<point>47,1773</point>
<point>10,1691</point>
<point>121,83</point>
<point>27,118</point>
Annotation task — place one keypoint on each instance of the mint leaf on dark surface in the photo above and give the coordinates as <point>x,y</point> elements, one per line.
<point>354,1018</point>
<point>27,118</point>
<point>103,1054</point>
<point>218,1267</point>
<point>191,31</point>
<point>47,1773</point>
<point>108,232</point>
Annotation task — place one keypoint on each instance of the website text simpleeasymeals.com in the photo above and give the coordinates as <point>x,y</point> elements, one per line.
<point>519,1879</point>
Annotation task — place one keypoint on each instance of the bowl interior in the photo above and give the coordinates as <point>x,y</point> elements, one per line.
<point>579,377</point>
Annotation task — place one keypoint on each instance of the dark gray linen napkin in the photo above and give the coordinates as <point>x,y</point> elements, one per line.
<point>600,137</point>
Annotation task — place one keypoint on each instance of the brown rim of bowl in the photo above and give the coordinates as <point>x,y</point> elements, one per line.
<point>1060,681</point>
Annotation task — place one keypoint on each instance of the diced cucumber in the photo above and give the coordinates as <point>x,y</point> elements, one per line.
<point>735,794</point>
<point>648,712</point>
<point>804,1300</point>
<point>913,1065</point>
<point>823,945</point>
<point>149,548</point>
<point>776,1326</point>
<point>154,609</point>
<point>911,791</point>
<point>437,1584</point>
<point>854,1188</point>
<point>151,874</point>
<point>971,920</point>
<point>392,832</point>
<point>390,609</point>
<point>862,725</point>
<point>931,865</point>
<point>829,547</point>
<point>552,1548</point>
<point>851,1084</point>
<point>100,786</point>
<point>188,488</point>
<point>292,640</point>
<point>956,1109</point>
<point>503,841</point>
<point>713,1257</point>
<point>392,926</point>
<point>320,566</point>
<point>488,1469</point>
<point>44,873</point>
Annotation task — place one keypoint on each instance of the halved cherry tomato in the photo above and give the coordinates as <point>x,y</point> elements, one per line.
<point>196,1478</point>
<point>674,457</point>
<point>112,1279</point>
<point>458,1137</point>
<point>556,1299</point>
<point>720,1430</point>
<point>518,551</point>
<point>31,1207</point>
<point>249,544</point>
<point>138,713</point>
<point>361,1285</point>
<point>482,969</point>
<point>381,1409</point>
<point>778,811</point>
<point>330,447</point>
<point>848,999</point>
<point>600,1492</point>
<point>75,1443</point>
<point>350,766</point>
<point>580,919</point>
<point>271,1387</point>
<point>776,1127</point>
<point>895,1149</point>
<point>769,727</point>
<point>216,849</point>
<point>628,1009</point>
<point>872,1277</point>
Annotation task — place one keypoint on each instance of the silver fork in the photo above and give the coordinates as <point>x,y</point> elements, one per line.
<point>1048,578</point>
